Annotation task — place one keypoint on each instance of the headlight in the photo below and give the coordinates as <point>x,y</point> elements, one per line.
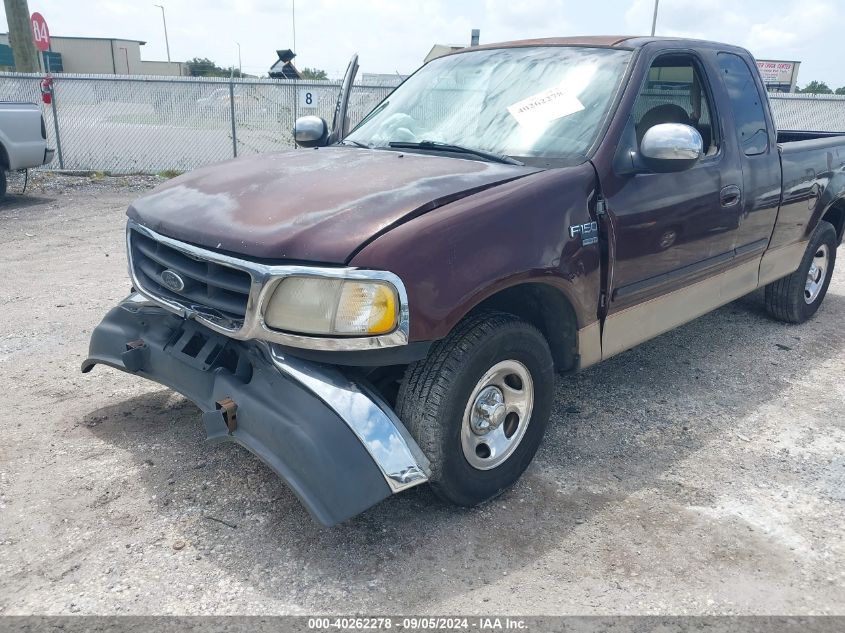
<point>314,305</point>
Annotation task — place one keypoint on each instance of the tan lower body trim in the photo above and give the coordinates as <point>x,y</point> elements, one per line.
<point>632,326</point>
<point>637,324</point>
<point>589,345</point>
<point>781,261</point>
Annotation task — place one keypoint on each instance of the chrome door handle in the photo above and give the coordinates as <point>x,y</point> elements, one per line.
<point>730,195</point>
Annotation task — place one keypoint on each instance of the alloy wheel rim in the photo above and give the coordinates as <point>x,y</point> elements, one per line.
<point>817,274</point>
<point>497,414</point>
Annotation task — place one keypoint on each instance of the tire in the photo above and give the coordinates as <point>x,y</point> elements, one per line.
<point>794,299</point>
<point>2,183</point>
<point>436,397</point>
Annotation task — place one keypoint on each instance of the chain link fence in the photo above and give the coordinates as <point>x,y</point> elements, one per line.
<point>152,124</point>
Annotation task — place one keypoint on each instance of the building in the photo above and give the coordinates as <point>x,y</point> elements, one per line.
<point>439,50</point>
<point>96,56</point>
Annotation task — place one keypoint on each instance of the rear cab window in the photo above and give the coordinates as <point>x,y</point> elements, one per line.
<point>749,116</point>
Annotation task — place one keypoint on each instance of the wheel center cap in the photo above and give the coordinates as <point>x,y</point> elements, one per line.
<point>488,411</point>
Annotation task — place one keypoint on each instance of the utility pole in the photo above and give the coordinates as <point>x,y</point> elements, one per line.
<point>293,21</point>
<point>654,19</point>
<point>164,22</point>
<point>240,68</point>
<point>20,36</point>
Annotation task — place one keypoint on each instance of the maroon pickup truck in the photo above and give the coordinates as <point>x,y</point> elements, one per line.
<point>389,306</point>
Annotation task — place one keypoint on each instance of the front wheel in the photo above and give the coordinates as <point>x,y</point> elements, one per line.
<point>797,297</point>
<point>478,405</point>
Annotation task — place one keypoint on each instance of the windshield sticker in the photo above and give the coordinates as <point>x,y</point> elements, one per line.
<point>545,107</point>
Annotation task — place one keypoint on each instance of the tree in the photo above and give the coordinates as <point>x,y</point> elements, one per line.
<point>313,73</point>
<point>817,88</point>
<point>204,67</point>
<point>840,91</point>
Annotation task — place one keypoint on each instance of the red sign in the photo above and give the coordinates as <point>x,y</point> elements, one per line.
<point>40,32</point>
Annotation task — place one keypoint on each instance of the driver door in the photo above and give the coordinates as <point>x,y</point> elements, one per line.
<point>671,230</point>
<point>340,122</point>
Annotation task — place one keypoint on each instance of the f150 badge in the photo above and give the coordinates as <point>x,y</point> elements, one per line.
<point>589,232</point>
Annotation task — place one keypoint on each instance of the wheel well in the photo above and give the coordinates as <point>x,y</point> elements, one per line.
<point>836,216</point>
<point>547,309</point>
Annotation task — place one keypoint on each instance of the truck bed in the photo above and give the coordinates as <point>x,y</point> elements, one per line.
<point>813,167</point>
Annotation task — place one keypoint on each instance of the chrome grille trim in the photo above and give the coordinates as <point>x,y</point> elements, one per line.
<point>204,284</point>
<point>264,279</point>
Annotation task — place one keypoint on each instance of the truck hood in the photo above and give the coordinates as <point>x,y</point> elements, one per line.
<point>306,204</point>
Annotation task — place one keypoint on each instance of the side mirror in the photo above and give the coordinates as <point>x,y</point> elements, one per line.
<point>310,131</point>
<point>671,147</point>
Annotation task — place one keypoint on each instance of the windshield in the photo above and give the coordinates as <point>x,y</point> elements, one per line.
<point>524,102</point>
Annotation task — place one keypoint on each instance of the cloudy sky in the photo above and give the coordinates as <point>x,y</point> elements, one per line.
<point>395,35</point>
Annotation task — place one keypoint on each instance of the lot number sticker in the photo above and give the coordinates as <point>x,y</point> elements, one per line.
<point>544,107</point>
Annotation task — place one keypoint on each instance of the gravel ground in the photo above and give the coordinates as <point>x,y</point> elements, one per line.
<point>700,473</point>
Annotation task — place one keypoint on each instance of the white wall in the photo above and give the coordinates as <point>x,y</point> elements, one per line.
<point>107,57</point>
<point>122,57</point>
<point>165,69</point>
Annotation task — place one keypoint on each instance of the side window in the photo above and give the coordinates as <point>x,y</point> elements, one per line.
<point>674,93</point>
<point>746,103</point>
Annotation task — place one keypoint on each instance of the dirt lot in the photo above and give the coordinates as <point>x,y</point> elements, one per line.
<point>703,472</point>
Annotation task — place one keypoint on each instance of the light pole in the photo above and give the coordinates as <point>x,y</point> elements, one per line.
<point>164,22</point>
<point>240,68</point>
<point>654,19</point>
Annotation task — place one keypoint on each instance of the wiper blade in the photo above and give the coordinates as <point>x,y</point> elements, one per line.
<point>458,149</point>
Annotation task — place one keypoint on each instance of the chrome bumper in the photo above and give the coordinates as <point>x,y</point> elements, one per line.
<point>376,426</point>
<point>335,442</point>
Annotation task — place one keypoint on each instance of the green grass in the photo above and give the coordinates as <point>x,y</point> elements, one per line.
<point>169,173</point>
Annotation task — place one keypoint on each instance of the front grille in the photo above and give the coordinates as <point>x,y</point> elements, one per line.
<point>208,287</point>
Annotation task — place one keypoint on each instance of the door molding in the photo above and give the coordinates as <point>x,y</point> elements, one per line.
<point>643,321</point>
<point>710,265</point>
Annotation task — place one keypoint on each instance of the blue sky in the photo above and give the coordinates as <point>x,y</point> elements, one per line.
<point>395,35</point>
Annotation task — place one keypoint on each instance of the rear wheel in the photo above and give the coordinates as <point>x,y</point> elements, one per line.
<point>478,405</point>
<point>2,182</point>
<point>797,297</point>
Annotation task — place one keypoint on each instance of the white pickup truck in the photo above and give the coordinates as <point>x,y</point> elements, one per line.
<point>23,139</point>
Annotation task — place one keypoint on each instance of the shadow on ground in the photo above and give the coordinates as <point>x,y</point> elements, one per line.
<point>14,201</point>
<point>616,429</point>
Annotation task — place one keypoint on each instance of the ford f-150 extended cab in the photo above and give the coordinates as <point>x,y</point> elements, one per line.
<point>389,306</point>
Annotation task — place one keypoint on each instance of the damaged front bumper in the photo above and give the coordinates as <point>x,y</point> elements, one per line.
<point>333,440</point>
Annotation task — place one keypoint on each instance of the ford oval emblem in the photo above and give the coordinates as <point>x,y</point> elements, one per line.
<point>172,280</point>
